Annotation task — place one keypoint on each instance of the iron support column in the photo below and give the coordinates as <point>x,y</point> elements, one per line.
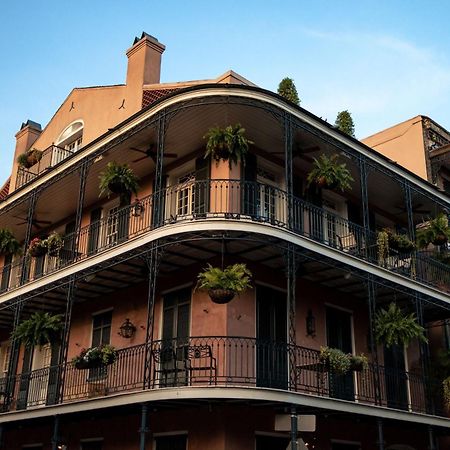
<point>291,273</point>
<point>371,300</point>
<point>431,441</point>
<point>364,176</point>
<point>409,211</point>
<point>380,434</point>
<point>55,437</point>
<point>158,193</point>
<point>143,430</point>
<point>294,428</point>
<point>83,171</point>
<point>288,167</point>
<point>13,359</point>
<point>62,356</point>
<point>152,260</point>
<point>28,232</point>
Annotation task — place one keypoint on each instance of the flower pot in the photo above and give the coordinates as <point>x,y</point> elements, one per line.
<point>32,159</point>
<point>116,187</point>
<point>38,251</point>
<point>221,296</point>
<point>322,183</point>
<point>357,366</point>
<point>440,239</point>
<point>83,364</point>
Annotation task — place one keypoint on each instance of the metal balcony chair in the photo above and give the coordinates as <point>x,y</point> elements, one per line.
<point>169,369</point>
<point>200,362</point>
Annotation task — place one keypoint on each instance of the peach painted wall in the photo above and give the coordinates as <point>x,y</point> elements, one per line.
<point>402,143</point>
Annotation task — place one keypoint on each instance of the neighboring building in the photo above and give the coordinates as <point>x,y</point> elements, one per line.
<point>190,373</point>
<point>418,144</point>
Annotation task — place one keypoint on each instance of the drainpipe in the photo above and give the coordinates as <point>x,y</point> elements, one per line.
<point>294,429</point>
<point>144,429</point>
<point>431,441</point>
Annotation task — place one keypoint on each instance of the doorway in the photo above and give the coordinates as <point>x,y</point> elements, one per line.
<point>271,338</point>
<point>395,377</point>
<point>339,335</point>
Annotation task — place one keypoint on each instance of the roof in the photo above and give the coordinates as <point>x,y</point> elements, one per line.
<point>4,191</point>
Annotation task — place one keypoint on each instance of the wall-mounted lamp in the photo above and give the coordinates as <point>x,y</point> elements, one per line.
<point>127,329</point>
<point>137,209</point>
<point>310,324</point>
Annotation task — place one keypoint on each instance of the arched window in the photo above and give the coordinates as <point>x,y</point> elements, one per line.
<point>68,142</point>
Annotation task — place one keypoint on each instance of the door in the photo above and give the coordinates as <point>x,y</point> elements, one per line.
<point>315,219</point>
<point>268,204</point>
<point>395,377</point>
<point>339,335</point>
<point>202,188</point>
<point>101,335</point>
<point>94,231</point>
<point>271,338</point>
<point>175,338</point>
<point>249,188</point>
<point>38,389</point>
<point>6,272</point>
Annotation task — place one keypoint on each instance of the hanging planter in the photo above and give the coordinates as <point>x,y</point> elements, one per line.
<point>223,285</point>
<point>358,363</point>
<point>328,173</point>
<point>393,327</point>
<point>436,232</point>
<point>54,243</point>
<point>93,357</point>
<point>40,329</point>
<point>38,247</point>
<point>227,144</point>
<point>29,158</point>
<point>9,245</point>
<point>118,179</point>
<point>334,360</point>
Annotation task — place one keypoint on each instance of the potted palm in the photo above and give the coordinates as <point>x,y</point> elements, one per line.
<point>9,245</point>
<point>227,144</point>
<point>328,173</point>
<point>436,231</point>
<point>119,179</point>
<point>40,329</point>
<point>394,327</point>
<point>92,357</point>
<point>223,285</point>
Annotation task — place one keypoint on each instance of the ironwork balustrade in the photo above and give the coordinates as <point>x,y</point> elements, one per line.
<point>220,361</point>
<point>231,200</point>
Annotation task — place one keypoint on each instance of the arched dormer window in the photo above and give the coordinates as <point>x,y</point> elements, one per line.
<point>69,141</point>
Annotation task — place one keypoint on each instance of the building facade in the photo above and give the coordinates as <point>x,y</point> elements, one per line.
<point>189,373</point>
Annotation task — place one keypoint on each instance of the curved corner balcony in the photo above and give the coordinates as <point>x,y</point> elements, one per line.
<point>217,361</point>
<point>232,200</point>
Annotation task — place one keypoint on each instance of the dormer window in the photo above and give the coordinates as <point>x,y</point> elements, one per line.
<point>68,142</point>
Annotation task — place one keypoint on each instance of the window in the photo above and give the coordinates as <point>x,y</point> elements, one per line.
<point>185,194</point>
<point>112,227</point>
<point>101,328</point>
<point>68,142</point>
<point>178,442</point>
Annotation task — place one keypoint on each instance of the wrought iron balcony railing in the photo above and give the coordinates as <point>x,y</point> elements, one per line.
<point>50,157</point>
<point>231,200</point>
<point>220,361</point>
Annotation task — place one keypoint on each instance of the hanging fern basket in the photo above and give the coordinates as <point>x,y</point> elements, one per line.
<point>221,296</point>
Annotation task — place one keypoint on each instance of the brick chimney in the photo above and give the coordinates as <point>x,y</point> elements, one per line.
<point>144,67</point>
<point>25,138</point>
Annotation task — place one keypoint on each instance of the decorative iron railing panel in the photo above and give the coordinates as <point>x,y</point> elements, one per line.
<point>231,200</point>
<point>220,361</point>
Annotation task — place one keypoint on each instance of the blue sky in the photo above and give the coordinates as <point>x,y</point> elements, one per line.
<point>385,61</point>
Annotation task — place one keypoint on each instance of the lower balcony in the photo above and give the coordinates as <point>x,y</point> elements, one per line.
<point>220,361</point>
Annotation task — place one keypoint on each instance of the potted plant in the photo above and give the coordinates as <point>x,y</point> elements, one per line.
<point>227,144</point>
<point>29,158</point>
<point>397,241</point>
<point>393,327</point>
<point>223,285</point>
<point>328,173</point>
<point>9,245</point>
<point>89,358</point>
<point>334,360</point>
<point>382,246</point>
<point>54,243</point>
<point>119,179</point>
<point>37,247</point>
<point>40,329</point>
<point>436,232</point>
<point>358,363</point>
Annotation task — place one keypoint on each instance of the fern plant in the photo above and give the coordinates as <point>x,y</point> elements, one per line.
<point>436,232</point>
<point>393,327</point>
<point>235,278</point>
<point>9,245</point>
<point>327,172</point>
<point>40,329</point>
<point>227,144</point>
<point>118,179</point>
